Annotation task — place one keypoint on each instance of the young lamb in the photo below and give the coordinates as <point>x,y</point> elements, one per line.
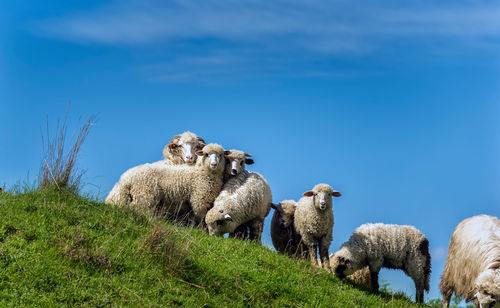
<point>244,202</point>
<point>182,149</point>
<point>166,188</point>
<point>283,234</point>
<point>391,246</point>
<point>314,221</point>
<point>472,267</point>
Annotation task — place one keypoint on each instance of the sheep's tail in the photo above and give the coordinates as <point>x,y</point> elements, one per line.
<point>424,249</point>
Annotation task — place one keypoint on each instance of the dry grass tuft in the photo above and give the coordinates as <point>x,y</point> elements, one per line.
<point>58,165</point>
<point>163,243</point>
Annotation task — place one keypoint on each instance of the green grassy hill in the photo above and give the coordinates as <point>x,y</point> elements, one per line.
<point>61,249</point>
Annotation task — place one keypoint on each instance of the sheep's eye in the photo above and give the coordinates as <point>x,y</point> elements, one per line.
<point>315,194</point>
<point>206,155</point>
<point>241,163</point>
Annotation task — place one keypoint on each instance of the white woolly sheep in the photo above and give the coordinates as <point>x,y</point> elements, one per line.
<point>472,267</point>
<point>391,246</point>
<point>166,188</point>
<point>182,149</point>
<point>244,202</point>
<point>283,234</point>
<point>314,222</point>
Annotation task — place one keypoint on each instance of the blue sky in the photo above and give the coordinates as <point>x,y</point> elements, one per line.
<point>394,103</point>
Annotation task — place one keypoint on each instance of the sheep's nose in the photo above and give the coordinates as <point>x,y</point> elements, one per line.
<point>213,165</point>
<point>322,203</point>
<point>233,172</point>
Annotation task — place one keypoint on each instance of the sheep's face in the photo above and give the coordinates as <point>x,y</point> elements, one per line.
<point>286,209</point>
<point>346,262</point>
<point>236,161</point>
<point>322,196</point>
<point>212,156</point>
<point>219,222</point>
<point>186,146</point>
<point>488,286</point>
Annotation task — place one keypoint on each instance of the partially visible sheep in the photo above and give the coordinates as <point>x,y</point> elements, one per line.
<point>472,267</point>
<point>391,246</point>
<point>244,201</point>
<point>283,234</point>
<point>182,149</point>
<point>166,188</point>
<point>361,277</point>
<point>314,221</point>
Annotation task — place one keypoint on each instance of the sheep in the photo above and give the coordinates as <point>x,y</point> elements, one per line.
<point>314,221</point>
<point>360,277</point>
<point>244,202</point>
<point>166,188</point>
<point>472,267</point>
<point>283,234</point>
<point>182,149</point>
<point>385,245</point>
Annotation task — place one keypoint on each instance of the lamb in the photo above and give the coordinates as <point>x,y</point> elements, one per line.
<point>385,245</point>
<point>243,203</point>
<point>472,267</point>
<point>166,188</point>
<point>182,149</point>
<point>314,221</point>
<point>283,234</point>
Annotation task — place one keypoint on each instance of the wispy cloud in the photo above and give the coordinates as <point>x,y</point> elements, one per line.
<point>241,32</point>
<point>329,26</point>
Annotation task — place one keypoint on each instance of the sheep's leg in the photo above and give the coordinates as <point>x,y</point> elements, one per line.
<point>446,297</point>
<point>311,247</point>
<point>256,227</point>
<point>324,244</point>
<point>374,270</point>
<point>241,232</point>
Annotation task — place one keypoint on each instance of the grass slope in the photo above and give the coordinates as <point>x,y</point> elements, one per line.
<point>58,249</point>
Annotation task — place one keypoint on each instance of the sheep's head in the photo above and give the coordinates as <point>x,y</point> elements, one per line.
<point>236,160</point>
<point>219,222</point>
<point>346,261</point>
<point>184,146</point>
<point>487,289</point>
<point>286,209</point>
<point>212,157</point>
<point>322,196</point>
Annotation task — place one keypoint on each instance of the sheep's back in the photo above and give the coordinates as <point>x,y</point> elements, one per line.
<point>387,240</point>
<point>474,247</point>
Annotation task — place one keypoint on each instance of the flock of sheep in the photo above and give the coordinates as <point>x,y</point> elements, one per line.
<point>208,186</point>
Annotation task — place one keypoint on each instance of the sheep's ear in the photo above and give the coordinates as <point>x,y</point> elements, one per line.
<point>309,193</point>
<point>175,138</point>
<point>248,155</point>
<point>249,161</point>
<point>227,152</point>
<point>336,193</point>
<point>199,153</point>
<point>172,145</point>
<point>277,207</point>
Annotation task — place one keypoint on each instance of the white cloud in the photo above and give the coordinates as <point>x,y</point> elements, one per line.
<point>326,26</point>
